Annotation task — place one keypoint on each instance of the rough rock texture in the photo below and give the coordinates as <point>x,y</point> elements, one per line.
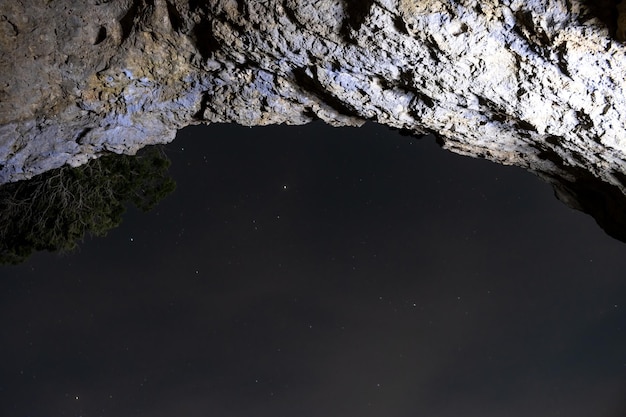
<point>535,83</point>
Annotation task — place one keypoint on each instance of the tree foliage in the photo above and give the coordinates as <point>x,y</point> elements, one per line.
<point>55,210</point>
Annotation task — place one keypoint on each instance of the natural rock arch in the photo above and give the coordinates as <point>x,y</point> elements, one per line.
<point>539,84</point>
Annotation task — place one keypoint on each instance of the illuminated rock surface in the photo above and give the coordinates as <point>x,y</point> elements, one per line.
<point>538,84</point>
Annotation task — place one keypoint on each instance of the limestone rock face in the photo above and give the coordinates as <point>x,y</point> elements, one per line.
<point>538,83</point>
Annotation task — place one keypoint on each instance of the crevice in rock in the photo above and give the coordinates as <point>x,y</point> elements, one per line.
<point>496,112</point>
<point>537,40</point>
<point>176,20</point>
<point>553,140</point>
<point>425,99</point>
<point>356,12</point>
<point>199,115</point>
<point>312,85</point>
<point>241,7</point>
<point>101,36</point>
<point>400,26</point>
<point>550,155</point>
<point>605,11</point>
<point>584,119</point>
<point>524,125</point>
<point>194,5</point>
<point>82,134</point>
<point>561,52</point>
<point>127,22</point>
<point>205,40</point>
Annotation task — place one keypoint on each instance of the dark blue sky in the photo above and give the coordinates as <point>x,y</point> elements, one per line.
<point>312,271</point>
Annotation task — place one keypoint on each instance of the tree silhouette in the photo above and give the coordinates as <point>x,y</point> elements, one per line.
<point>55,210</point>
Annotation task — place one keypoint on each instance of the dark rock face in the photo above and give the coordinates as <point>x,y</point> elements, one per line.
<point>537,84</point>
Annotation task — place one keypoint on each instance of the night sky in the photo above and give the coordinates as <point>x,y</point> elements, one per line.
<point>320,272</point>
